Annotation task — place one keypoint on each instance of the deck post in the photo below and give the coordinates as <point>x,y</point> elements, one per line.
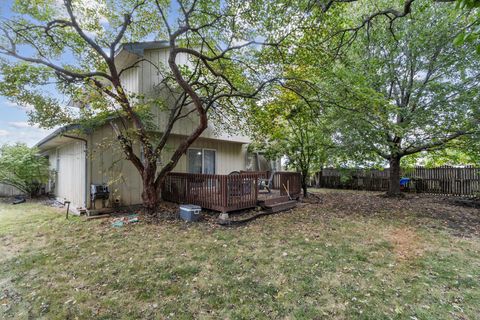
<point>223,216</point>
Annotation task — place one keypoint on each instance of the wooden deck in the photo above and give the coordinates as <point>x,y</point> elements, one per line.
<point>227,193</point>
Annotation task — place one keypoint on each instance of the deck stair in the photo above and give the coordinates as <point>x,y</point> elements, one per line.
<point>277,204</point>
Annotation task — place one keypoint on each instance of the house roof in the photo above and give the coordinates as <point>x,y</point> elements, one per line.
<point>138,48</point>
<point>129,52</point>
<point>55,138</point>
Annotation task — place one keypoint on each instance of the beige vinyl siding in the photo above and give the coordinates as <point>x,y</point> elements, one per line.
<point>108,164</point>
<point>149,77</point>
<point>187,125</point>
<point>52,165</point>
<point>231,156</point>
<point>70,184</point>
<point>130,80</point>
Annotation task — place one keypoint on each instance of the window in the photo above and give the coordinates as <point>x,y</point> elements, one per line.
<point>201,161</point>
<point>209,161</point>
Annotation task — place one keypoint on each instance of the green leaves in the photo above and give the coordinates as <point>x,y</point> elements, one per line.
<point>23,168</point>
<point>21,83</point>
<point>472,32</point>
<point>468,4</point>
<point>287,125</point>
<point>406,86</point>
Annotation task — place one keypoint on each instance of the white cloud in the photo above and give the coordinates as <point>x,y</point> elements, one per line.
<point>20,124</point>
<point>15,105</point>
<point>11,104</point>
<point>23,133</point>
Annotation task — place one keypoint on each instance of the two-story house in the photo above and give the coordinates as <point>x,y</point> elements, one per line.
<point>81,158</point>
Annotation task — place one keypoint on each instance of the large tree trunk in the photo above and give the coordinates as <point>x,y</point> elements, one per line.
<point>150,194</point>
<point>394,186</point>
<point>305,183</point>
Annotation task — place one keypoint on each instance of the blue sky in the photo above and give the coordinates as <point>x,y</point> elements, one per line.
<point>14,125</point>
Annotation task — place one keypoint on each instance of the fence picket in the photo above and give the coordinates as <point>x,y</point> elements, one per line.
<point>444,180</point>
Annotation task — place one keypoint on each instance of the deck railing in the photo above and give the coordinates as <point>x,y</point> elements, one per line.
<point>283,181</point>
<point>224,192</point>
<point>289,183</point>
<point>212,191</point>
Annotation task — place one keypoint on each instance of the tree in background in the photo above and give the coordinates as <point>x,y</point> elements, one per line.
<point>459,152</point>
<point>21,167</point>
<point>404,87</point>
<point>288,126</point>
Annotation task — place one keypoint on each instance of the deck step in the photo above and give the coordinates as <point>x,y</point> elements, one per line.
<point>282,206</point>
<point>271,201</point>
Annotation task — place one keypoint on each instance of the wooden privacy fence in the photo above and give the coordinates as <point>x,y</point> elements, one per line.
<point>442,180</point>
<point>9,191</point>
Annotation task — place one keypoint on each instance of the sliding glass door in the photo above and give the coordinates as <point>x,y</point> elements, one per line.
<point>201,161</point>
<point>194,160</point>
<point>209,161</point>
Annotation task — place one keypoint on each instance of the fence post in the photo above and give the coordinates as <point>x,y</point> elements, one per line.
<point>441,180</point>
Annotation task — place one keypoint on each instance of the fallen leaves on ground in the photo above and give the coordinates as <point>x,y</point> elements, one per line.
<point>429,210</point>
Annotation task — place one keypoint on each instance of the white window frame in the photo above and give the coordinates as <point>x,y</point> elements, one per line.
<point>203,158</point>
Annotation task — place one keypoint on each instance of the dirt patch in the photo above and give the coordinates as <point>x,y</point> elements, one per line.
<point>166,212</point>
<point>8,297</point>
<point>9,247</point>
<point>406,243</point>
<point>313,198</point>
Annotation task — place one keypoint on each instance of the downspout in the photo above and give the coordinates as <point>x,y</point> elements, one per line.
<point>86,165</point>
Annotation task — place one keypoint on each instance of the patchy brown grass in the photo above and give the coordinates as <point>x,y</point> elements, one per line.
<point>407,244</point>
<point>338,255</point>
<point>9,248</point>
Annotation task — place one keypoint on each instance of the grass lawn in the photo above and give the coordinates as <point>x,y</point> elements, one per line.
<point>345,255</point>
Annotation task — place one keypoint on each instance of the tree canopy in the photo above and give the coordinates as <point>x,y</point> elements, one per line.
<point>471,33</point>
<point>22,168</point>
<point>404,88</point>
<point>393,83</point>
<point>288,126</point>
